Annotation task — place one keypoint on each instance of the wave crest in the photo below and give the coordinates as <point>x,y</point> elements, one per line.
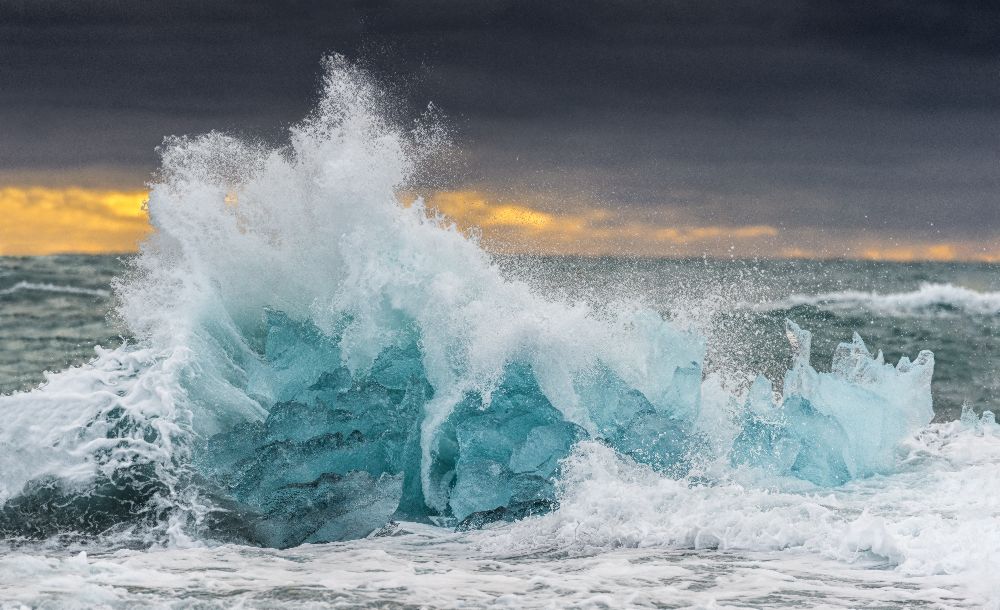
<point>316,359</point>
<point>927,300</point>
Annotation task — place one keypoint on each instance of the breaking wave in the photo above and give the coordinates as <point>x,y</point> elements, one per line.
<point>314,360</point>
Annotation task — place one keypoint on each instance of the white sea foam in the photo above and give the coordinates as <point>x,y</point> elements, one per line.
<point>935,518</point>
<point>57,288</point>
<point>438,570</point>
<point>927,300</point>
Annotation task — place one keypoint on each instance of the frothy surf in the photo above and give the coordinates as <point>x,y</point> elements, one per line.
<point>315,362</point>
<point>928,300</point>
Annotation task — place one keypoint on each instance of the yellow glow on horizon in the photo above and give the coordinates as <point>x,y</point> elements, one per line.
<point>941,252</point>
<point>470,208</point>
<point>580,230</point>
<point>693,234</point>
<point>39,220</point>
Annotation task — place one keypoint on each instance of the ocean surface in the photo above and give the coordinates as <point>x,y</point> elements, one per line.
<point>301,394</point>
<point>57,308</point>
<point>924,536</point>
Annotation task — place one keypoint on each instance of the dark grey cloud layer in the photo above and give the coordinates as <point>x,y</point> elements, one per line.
<point>832,114</point>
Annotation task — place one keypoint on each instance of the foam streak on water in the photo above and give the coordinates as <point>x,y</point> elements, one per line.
<point>426,572</point>
<point>928,300</point>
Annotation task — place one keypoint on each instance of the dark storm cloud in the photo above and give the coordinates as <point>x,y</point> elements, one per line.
<point>786,113</point>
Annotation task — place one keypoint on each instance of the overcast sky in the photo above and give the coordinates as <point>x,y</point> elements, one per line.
<point>792,114</point>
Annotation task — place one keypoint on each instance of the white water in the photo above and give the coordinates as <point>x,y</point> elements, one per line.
<point>928,300</point>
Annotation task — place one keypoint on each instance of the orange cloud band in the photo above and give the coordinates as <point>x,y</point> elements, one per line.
<point>41,220</point>
<point>583,230</point>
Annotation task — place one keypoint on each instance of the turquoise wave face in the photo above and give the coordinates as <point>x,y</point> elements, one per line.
<point>339,455</point>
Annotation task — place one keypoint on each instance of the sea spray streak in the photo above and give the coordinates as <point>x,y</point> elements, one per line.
<point>315,360</point>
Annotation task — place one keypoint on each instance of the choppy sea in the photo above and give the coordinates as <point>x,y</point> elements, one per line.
<point>927,535</point>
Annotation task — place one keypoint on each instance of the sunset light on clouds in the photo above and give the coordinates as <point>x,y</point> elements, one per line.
<point>39,220</point>
<point>582,229</point>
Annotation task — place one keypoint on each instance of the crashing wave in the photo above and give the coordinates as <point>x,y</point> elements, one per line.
<point>314,360</point>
